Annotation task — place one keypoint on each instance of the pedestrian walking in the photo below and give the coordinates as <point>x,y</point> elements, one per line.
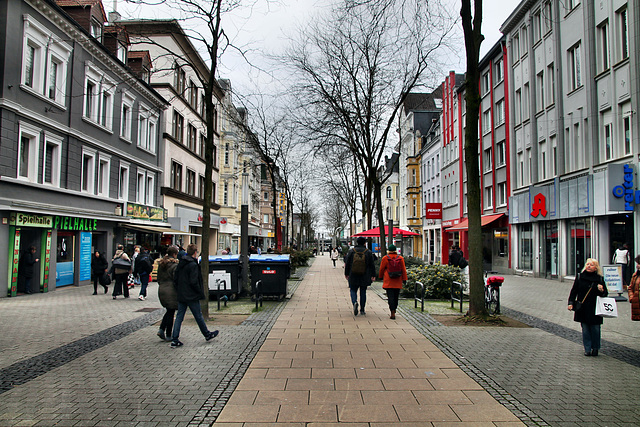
<point>25,269</point>
<point>189,289</point>
<point>393,273</point>
<point>142,267</point>
<point>167,292</point>
<point>120,266</point>
<point>634,292</point>
<point>454,256</point>
<point>359,270</point>
<point>334,256</point>
<point>622,257</point>
<point>99,266</point>
<point>588,285</point>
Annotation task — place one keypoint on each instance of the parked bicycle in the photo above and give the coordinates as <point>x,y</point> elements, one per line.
<point>492,292</point>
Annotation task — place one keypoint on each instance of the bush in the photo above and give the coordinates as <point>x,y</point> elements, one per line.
<point>298,258</point>
<point>436,278</point>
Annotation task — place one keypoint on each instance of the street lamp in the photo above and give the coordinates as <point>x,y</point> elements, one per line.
<point>244,230</point>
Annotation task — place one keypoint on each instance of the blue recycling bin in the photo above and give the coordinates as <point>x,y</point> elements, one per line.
<point>224,276</point>
<point>273,272</point>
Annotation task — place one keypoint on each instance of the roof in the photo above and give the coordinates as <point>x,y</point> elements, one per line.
<point>83,3</point>
<point>423,101</point>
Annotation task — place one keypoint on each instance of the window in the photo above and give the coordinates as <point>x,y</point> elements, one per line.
<point>623,34</point>
<point>141,186</point>
<point>499,112</point>
<point>486,84</point>
<point>486,121</point>
<point>225,194</point>
<point>178,126</point>
<point>518,107</point>
<point>537,26</point>
<point>123,182</point>
<point>181,80</point>
<point>502,194</point>
<point>575,76</point>
<point>203,145</point>
<point>176,176</point>
<point>192,137</point>
<point>499,75</point>
<point>226,154</point>
<point>51,163</point>
<point>265,196</point>
<point>547,16</point>
<point>571,4</point>
<point>122,52</point>
<point>104,164</point>
<point>150,190</point>
<point>520,169</point>
<point>201,186</point>
<point>524,41</point>
<point>126,118</point>
<point>608,148</point>
<point>143,129</point>
<point>265,219</point>
<point>28,149</point>
<point>90,99</point>
<point>106,112</point>
<point>551,85</point>
<point>515,47</point>
<point>540,92</point>
<point>525,102</point>
<point>389,194</point>
<point>88,172</point>
<point>486,159</point>
<point>602,44</point>
<point>501,154</point>
<point>554,147</point>
<point>96,29</point>
<point>193,95</point>
<point>626,129</point>
<point>488,197</point>
<point>542,156</point>
<point>98,97</point>
<point>191,182</point>
<point>529,165</point>
<point>45,60</point>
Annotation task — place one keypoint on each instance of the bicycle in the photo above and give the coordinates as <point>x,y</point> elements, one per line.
<point>492,292</point>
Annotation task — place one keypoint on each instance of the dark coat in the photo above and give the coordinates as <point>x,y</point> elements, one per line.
<point>188,280</point>
<point>634,295</point>
<point>166,291</point>
<point>581,285</point>
<point>98,265</point>
<point>355,280</point>
<point>454,257</point>
<point>25,266</point>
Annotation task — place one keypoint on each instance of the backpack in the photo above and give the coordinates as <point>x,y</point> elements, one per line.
<point>394,267</point>
<point>359,265</point>
<point>142,264</point>
<point>462,263</point>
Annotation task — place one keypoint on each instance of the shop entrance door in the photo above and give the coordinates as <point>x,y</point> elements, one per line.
<point>31,237</point>
<point>549,254</point>
<point>621,232</point>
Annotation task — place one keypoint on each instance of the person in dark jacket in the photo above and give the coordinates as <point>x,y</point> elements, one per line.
<point>588,285</point>
<point>359,281</point>
<point>99,265</point>
<point>25,269</point>
<point>142,267</point>
<point>189,288</point>
<point>455,255</point>
<point>167,292</point>
<point>121,267</point>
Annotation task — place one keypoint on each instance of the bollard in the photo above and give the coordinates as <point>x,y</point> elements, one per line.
<point>454,287</point>
<point>415,296</point>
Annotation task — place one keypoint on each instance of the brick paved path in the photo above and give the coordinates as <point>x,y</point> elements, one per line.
<point>320,364</point>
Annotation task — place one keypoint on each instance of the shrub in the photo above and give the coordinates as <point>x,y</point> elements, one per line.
<point>436,278</point>
<point>298,258</point>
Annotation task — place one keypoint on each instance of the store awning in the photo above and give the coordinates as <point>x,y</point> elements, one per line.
<point>464,224</point>
<point>163,230</point>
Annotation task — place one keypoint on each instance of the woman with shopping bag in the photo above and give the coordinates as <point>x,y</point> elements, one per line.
<point>588,285</point>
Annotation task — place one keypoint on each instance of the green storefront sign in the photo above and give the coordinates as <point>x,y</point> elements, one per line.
<point>75,224</point>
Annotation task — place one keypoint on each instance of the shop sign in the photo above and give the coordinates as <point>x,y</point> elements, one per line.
<point>626,190</point>
<point>67,223</point>
<point>26,220</point>
<point>539,205</point>
<point>150,213</point>
<point>433,210</point>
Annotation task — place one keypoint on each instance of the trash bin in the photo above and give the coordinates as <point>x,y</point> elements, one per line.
<point>224,276</point>
<point>273,271</point>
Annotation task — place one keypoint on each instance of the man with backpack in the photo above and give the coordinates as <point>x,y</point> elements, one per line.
<point>393,273</point>
<point>142,267</point>
<point>360,271</point>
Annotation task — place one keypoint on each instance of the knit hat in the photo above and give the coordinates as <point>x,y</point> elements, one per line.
<point>392,248</point>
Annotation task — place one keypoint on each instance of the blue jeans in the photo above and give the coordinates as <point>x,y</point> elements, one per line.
<point>590,337</point>
<point>144,282</point>
<point>194,306</point>
<point>363,296</point>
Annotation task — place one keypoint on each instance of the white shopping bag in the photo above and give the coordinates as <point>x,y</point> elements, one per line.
<point>606,307</point>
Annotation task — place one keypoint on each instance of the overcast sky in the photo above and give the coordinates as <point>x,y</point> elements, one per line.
<point>264,29</point>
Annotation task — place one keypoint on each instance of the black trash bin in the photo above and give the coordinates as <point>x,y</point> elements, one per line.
<point>273,272</point>
<point>224,276</point>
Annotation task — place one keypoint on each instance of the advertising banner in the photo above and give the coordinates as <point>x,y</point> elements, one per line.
<point>613,278</point>
<point>14,259</point>
<point>85,256</point>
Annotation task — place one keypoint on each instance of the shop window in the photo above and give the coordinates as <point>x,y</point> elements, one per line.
<point>579,244</point>
<point>525,247</point>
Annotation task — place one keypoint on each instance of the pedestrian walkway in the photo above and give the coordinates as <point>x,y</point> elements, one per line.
<point>320,364</point>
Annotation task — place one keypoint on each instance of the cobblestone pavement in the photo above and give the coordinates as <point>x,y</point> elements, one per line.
<point>69,358</point>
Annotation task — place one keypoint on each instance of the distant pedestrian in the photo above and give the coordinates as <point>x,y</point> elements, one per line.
<point>359,270</point>
<point>167,292</point>
<point>25,269</point>
<point>634,292</point>
<point>99,266</point>
<point>454,256</point>
<point>393,273</point>
<point>121,267</point>
<point>334,256</point>
<point>622,257</point>
<point>588,285</point>
<point>142,267</point>
<point>189,288</point>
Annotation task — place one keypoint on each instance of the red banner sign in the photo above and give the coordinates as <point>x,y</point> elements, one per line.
<point>268,272</point>
<point>433,210</point>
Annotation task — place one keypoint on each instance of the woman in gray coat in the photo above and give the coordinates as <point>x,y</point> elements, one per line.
<point>167,292</point>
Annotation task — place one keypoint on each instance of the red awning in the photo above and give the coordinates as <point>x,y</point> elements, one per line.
<point>464,224</point>
<point>375,232</point>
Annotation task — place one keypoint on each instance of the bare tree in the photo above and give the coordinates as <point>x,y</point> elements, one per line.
<point>355,67</point>
<point>472,26</point>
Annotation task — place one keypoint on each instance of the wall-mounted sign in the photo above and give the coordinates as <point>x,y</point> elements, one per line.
<point>27,220</point>
<point>75,224</point>
<point>433,210</point>
<point>539,205</point>
<point>626,190</point>
<point>150,213</point>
